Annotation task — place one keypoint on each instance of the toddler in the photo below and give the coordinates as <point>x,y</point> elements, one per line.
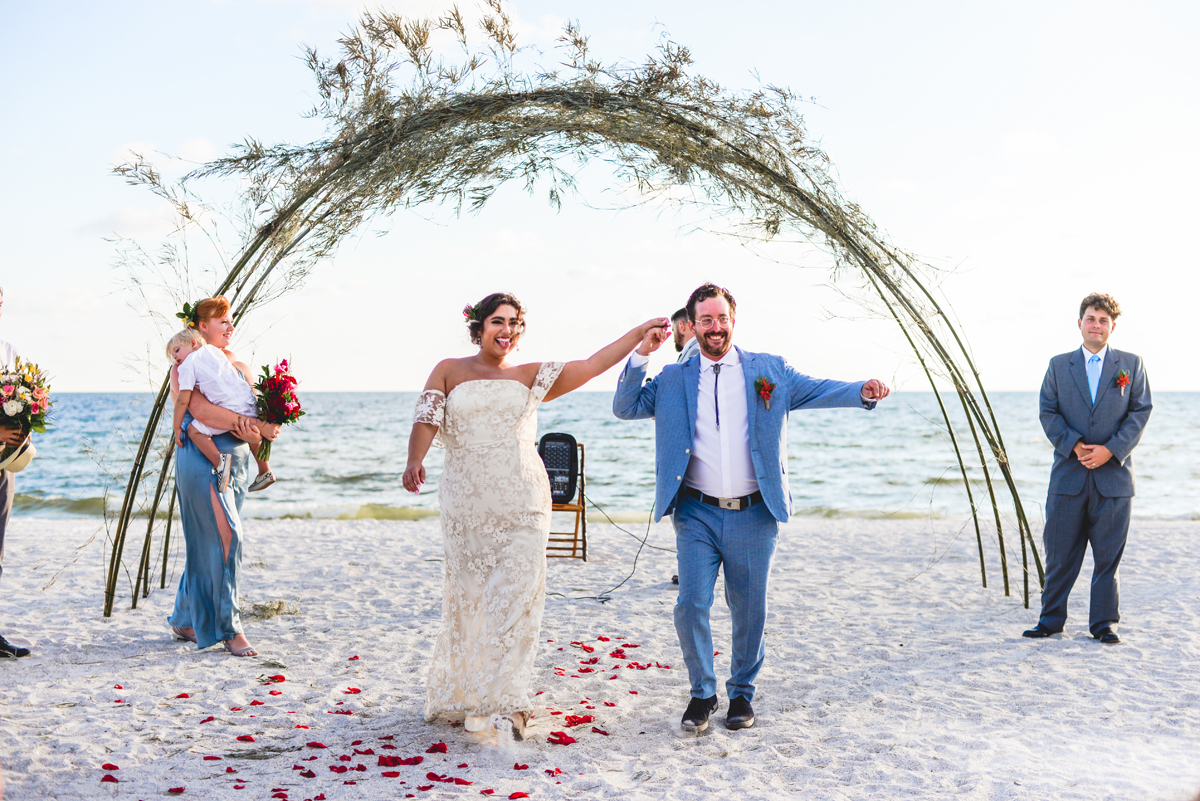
<point>207,368</point>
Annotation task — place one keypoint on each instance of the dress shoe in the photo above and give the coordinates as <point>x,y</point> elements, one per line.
<point>10,651</point>
<point>1107,636</point>
<point>698,712</point>
<point>1038,633</point>
<point>741,714</point>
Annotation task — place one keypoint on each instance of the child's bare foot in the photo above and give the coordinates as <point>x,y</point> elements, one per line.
<point>263,481</point>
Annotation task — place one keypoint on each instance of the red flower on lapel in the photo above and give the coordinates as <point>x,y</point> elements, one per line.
<point>1122,380</point>
<point>764,388</point>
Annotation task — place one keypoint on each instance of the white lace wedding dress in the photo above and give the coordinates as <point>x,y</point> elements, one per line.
<point>495,504</point>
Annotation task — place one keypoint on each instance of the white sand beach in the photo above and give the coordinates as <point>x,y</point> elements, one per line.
<point>890,674</point>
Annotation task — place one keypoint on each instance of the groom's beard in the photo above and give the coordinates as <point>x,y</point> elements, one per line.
<point>715,345</point>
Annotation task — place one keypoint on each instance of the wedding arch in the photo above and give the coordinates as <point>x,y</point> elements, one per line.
<point>457,131</point>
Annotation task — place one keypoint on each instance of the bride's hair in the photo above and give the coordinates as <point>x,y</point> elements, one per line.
<point>486,307</point>
<point>210,308</point>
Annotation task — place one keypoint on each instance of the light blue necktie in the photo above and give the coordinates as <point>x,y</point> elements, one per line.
<point>1093,371</point>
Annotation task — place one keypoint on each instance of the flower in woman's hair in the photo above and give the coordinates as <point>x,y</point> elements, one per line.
<point>469,312</point>
<point>188,315</point>
<point>12,407</point>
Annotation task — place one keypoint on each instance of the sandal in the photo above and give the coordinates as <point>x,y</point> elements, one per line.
<point>247,651</point>
<point>182,635</point>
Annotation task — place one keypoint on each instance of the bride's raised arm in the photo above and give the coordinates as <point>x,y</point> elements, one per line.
<point>577,373</point>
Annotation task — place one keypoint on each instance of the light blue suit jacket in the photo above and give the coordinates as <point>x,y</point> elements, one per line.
<point>670,399</point>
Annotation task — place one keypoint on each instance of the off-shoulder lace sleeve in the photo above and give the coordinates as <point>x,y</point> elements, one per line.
<point>547,375</point>
<point>431,409</point>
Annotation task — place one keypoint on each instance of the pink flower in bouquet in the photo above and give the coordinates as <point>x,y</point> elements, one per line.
<point>9,389</point>
<point>282,367</point>
<point>39,394</point>
<point>35,407</point>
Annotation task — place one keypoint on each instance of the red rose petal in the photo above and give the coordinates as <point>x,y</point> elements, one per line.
<point>519,795</point>
<point>609,703</point>
<point>351,659</point>
<point>629,645</point>
<point>246,738</point>
<point>235,709</point>
<point>349,782</point>
<point>211,758</point>
<point>299,726</point>
<point>436,748</point>
<point>560,738</point>
<point>486,792</point>
<point>351,691</point>
<point>118,687</point>
<point>391,774</point>
<point>230,770</point>
<point>256,702</point>
<point>183,695</point>
<point>388,737</point>
<point>633,692</point>
<point>519,766</point>
<point>109,766</point>
<point>276,692</point>
<point>308,774</point>
<point>315,745</point>
<point>277,677</point>
<point>179,791</point>
<point>423,788</point>
<point>118,701</point>
<point>108,777</point>
<point>603,639</point>
<point>555,772</point>
<point>208,719</point>
<point>600,731</point>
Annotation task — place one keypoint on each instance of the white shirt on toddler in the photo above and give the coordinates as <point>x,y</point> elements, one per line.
<point>210,371</point>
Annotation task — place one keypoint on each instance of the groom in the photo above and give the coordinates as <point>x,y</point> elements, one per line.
<point>722,476</point>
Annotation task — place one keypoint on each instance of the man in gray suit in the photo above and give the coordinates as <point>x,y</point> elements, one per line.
<point>686,344</point>
<point>1095,403</point>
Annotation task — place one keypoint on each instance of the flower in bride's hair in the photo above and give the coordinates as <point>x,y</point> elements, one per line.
<point>469,312</point>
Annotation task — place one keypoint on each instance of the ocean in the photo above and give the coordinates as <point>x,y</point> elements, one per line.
<point>346,456</point>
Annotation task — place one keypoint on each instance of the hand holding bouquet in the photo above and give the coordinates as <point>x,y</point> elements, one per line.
<point>277,401</point>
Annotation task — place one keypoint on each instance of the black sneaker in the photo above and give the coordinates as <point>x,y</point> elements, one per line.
<point>10,651</point>
<point>698,712</point>
<point>741,714</point>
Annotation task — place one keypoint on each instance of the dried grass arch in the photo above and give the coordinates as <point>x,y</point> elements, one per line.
<point>458,131</point>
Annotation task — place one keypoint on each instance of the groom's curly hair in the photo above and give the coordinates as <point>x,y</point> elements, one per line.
<point>705,291</point>
<point>1105,303</point>
<point>486,307</point>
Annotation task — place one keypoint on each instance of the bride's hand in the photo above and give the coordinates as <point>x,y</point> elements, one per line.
<point>414,477</point>
<point>654,332</point>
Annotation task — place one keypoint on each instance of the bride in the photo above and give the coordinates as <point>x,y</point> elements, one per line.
<point>495,505</point>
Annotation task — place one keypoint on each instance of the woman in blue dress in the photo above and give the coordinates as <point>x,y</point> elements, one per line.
<point>206,605</point>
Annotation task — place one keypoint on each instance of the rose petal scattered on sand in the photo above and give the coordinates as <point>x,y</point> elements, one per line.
<point>211,758</point>
<point>519,766</point>
<point>108,777</point>
<point>176,790</point>
<point>109,766</point>
<point>208,719</point>
<point>600,731</point>
<point>436,748</point>
<point>352,659</point>
<point>183,695</point>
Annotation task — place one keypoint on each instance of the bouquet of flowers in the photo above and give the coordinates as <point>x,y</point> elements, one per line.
<point>277,401</point>
<point>24,402</point>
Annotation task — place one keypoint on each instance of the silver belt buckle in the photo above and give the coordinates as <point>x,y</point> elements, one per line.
<point>734,504</point>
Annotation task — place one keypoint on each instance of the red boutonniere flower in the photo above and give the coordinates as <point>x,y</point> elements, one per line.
<point>1122,380</point>
<point>763,388</point>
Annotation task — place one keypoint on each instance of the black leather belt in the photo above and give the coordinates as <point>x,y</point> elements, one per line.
<point>734,504</point>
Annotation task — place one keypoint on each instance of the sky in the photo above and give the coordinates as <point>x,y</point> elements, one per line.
<point>1032,152</point>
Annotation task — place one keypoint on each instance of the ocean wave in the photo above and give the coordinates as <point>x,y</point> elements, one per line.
<point>379,511</point>
<point>865,514</point>
<point>33,504</point>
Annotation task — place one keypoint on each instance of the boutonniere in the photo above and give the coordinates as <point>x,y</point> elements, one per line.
<point>1122,380</point>
<point>764,388</point>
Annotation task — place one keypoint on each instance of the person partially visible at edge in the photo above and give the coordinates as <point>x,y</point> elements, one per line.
<point>8,483</point>
<point>722,473</point>
<point>686,344</point>
<point>206,604</point>
<point>1094,406</point>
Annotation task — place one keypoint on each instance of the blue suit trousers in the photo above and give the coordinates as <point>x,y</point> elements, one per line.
<point>706,538</point>
<point>1072,523</point>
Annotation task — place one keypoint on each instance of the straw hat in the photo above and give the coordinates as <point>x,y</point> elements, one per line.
<point>19,459</point>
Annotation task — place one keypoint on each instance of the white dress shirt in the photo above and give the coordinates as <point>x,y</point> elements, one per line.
<point>209,370</point>
<point>720,464</point>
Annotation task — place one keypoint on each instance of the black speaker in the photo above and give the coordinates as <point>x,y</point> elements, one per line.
<point>560,454</point>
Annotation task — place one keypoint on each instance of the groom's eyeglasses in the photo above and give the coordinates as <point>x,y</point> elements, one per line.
<point>708,322</point>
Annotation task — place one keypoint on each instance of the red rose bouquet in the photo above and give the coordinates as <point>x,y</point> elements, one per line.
<point>277,401</point>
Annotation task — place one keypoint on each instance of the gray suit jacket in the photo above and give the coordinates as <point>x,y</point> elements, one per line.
<point>1116,421</point>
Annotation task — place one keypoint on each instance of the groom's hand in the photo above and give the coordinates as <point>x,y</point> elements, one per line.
<point>875,390</point>
<point>654,333</point>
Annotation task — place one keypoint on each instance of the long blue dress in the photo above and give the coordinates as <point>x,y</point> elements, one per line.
<point>207,600</point>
